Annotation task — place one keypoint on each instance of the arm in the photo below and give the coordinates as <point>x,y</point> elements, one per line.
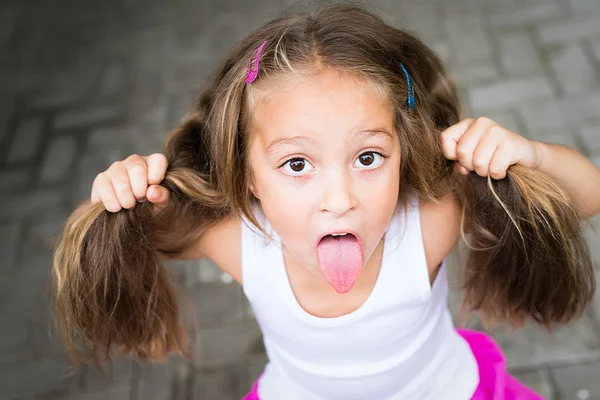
<point>485,147</point>
<point>222,244</point>
<point>579,175</point>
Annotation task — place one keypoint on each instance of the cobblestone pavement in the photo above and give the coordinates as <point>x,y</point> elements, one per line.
<point>84,84</point>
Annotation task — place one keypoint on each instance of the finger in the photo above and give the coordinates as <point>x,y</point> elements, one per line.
<point>159,196</point>
<point>484,152</point>
<point>461,170</point>
<point>451,136</point>
<point>157,167</point>
<point>119,177</point>
<point>501,160</point>
<point>138,175</point>
<point>105,192</point>
<point>94,195</point>
<point>470,140</point>
<point>138,179</point>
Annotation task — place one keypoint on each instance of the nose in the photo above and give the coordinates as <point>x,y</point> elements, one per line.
<point>338,197</point>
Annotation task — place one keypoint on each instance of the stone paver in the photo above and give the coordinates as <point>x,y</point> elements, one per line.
<point>84,84</point>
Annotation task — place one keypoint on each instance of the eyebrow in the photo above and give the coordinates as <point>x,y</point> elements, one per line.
<point>296,140</point>
<point>305,140</point>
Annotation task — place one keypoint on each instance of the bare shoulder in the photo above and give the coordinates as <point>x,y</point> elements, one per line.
<point>440,228</point>
<point>221,243</point>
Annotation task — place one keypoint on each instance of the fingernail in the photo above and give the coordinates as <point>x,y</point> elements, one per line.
<point>153,193</point>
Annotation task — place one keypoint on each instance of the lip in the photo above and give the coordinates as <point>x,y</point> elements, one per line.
<point>338,231</point>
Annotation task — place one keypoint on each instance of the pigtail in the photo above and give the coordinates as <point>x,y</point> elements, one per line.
<point>528,255</point>
<point>111,291</point>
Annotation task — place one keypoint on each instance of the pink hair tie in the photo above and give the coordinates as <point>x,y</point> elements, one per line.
<point>251,74</point>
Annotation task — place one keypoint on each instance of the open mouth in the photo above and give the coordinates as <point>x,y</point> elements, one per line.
<point>340,258</point>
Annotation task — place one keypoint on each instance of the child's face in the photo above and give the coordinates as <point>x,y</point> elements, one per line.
<point>325,158</point>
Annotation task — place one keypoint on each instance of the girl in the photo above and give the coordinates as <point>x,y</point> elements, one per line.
<point>328,170</point>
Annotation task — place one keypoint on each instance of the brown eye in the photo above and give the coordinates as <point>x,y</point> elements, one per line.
<point>297,165</point>
<point>368,160</point>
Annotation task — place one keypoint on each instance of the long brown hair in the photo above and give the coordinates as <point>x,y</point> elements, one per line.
<point>527,259</point>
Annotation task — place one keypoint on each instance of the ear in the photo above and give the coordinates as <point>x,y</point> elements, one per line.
<point>252,186</point>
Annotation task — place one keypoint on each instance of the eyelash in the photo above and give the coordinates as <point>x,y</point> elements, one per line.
<point>357,158</point>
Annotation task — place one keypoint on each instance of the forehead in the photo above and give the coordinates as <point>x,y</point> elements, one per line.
<point>318,103</point>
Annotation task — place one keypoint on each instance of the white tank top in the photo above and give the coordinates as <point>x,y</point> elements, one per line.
<point>400,344</point>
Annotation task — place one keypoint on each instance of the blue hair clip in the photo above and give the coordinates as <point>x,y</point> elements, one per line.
<point>411,89</point>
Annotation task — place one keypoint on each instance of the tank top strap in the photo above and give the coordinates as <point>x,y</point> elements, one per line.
<point>406,274</point>
<point>256,254</point>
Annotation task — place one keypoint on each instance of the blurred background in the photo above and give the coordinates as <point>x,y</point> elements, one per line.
<point>84,84</point>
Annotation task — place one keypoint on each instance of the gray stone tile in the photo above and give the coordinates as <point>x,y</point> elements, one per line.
<point>110,143</point>
<point>555,135</point>
<point>164,381</point>
<point>6,107</point>
<point>573,70</point>
<point>591,137</point>
<point>533,346</point>
<point>32,203</point>
<point>256,366</point>
<point>59,159</point>
<point>583,108</point>
<point>59,393</point>
<point>421,16</point>
<point>469,38</point>
<point>115,393</point>
<point>180,103</point>
<point>10,240</point>
<point>29,292</point>
<point>15,180</point>
<point>577,381</point>
<point>28,378</point>
<point>595,158</point>
<point>584,7</point>
<point>149,84</point>
<point>462,7</point>
<point>443,49</point>
<point>112,80</point>
<point>508,93</point>
<point>218,303</point>
<point>475,74</point>
<point>63,88</point>
<point>595,43</point>
<point>26,140</point>
<point>540,115</point>
<point>85,117</point>
<point>15,343</point>
<point>538,380</point>
<point>216,383</point>
<point>517,54</point>
<point>570,30</point>
<point>121,376</point>
<point>226,343</point>
<point>8,22</point>
<point>552,113</point>
<point>525,14</point>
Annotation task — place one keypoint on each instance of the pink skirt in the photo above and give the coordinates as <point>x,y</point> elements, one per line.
<point>494,381</point>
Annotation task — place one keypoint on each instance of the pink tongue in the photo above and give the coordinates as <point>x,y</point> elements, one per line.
<point>340,261</point>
